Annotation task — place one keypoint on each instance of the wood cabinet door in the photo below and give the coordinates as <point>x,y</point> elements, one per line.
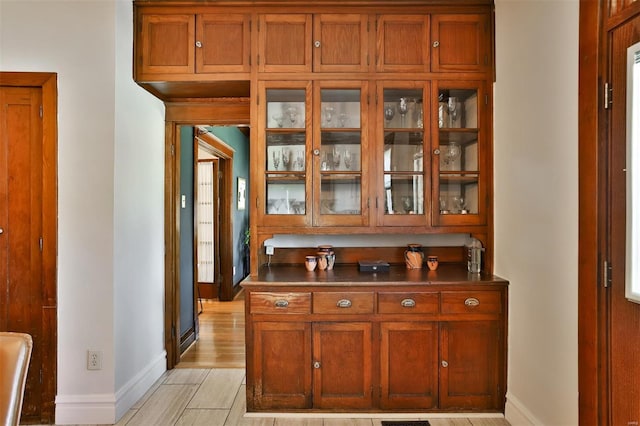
<point>460,43</point>
<point>342,365</point>
<point>281,365</point>
<point>409,365</point>
<point>470,369</point>
<point>284,43</point>
<point>167,44</point>
<point>402,43</point>
<point>340,43</point>
<point>223,43</point>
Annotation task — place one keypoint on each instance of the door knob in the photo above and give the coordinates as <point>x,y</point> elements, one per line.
<point>316,364</point>
<point>1,231</point>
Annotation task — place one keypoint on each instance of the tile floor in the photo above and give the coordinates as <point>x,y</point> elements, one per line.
<point>216,397</point>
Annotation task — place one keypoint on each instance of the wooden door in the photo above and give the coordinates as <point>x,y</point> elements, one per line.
<point>460,43</point>
<point>340,43</point>
<point>25,299</point>
<point>403,43</point>
<point>222,43</point>
<point>282,365</point>
<point>284,43</point>
<point>409,365</point>
<point>342,365</point>
<point>469,365</point>
<point>166,44</point>
<point>622,345</point>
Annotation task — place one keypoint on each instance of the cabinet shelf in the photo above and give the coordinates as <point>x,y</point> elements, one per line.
<point>460,136</point>
<point>458,177</point>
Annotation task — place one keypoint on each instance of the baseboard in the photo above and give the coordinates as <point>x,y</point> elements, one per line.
<point>108,408</point>
<point>517,414</point>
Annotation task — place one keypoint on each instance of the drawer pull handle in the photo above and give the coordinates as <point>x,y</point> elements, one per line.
<point>281,303</point>
<point>408,303</point>
<point>472,302</point>
<point>316,364</point>
<point>344,303</point>
<point>445,363</point>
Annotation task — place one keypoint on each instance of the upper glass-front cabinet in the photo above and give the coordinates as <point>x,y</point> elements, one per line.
<point>402,198</point>
<point>459,191</point>
<point>312,156</point>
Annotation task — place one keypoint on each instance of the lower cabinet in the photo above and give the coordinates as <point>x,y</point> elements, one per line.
<point>342,365</point>
<point>406,351</point>
<point>408,365</point>
<point>281,365</point>
<point>469,364</point>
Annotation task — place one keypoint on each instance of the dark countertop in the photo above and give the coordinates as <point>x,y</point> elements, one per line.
<point>349,275</point>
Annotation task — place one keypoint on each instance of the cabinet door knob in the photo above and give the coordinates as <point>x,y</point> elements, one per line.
<point>436,43</point>
<point>471,302</point>
<point>408,303</point>
<point>1,231</point>
<point>316,152</point>
<point>344,303</point>
<point>281,303</point>
<point>445,363</point>
<point>316,43</point>
<point>436,151</point>
<point>198,43</point>
<point>316,365</point>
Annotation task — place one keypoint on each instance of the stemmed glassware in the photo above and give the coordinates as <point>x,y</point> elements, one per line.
<point>336,158</point>
<point>348,158</point>
<point>276,160</point>
<point>449,154</point>
<point>403,108</point>
<point>286,158</point>
<point>292,112</point>
<point>328,115</point>
<point>389,113</point>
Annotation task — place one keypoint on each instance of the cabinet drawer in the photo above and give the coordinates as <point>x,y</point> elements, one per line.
<point>408,303</point>
<point>343,303</point>
<point>471,302</point>
<point>280,303</point>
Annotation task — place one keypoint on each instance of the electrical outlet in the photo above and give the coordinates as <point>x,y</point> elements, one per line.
<point>269,250</point>
<point>94,360</point>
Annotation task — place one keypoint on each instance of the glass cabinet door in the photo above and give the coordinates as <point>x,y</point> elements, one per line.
<point>458,159</point>
<point>402,197</point>
<point>340,155</point>
<point>284,159</point>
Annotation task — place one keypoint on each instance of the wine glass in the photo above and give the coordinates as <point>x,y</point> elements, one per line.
<point>328,114</point>
<point>389,113</point>
<point>343,119</point>
<point>276,159</point>
<point>286,158</point>
<point>348,158</point>
<point>403,108</point>
<point>336,158</point>
<point>292,112</point>
<point>452,106</point>
<point>449,154</point>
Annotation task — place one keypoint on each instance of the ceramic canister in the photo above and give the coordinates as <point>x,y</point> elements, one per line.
<point>414,256</point>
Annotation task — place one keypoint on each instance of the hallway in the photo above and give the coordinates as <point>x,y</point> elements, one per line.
<point>221,341</point>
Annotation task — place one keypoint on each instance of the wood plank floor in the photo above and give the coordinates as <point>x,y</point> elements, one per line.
<point>221,341</point>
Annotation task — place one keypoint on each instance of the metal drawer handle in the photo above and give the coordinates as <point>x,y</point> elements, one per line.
<point>408,303</point>
<point>472,302</point>
<point>344,303</point>
<point>445,363</point>
<point>198,43</point>
<point>316,364</point>
<point>281,303</point>
<point>436,43</point>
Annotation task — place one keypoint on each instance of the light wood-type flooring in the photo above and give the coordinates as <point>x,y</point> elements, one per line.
<point>208,386</point>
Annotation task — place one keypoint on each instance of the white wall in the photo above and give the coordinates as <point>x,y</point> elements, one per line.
<point>536,204</point>
<point>110,261</point>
